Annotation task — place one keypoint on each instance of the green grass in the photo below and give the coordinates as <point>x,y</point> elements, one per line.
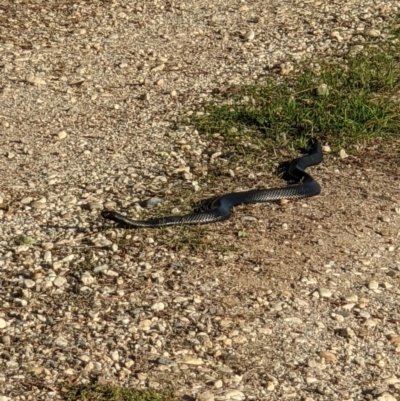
<point>97,392</point>
<point>358,103</point>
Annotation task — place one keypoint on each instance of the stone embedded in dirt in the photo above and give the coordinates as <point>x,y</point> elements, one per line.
<point>20,302</point>
<point>110,205</point>
<point>391,380</point>
<point>62,135</point>
<point>394,338</point>
<point>28,283</point>
<point>373,285</point>
<point>206,396</point>
<point>328,356</point>
<point>60,281</point>
<point>386,397</point>
<point>234,395</point>
<point>352,298</point>
<point>325,292</point>
<point>102,242</point>
<point>94,206</point>
<point>87,278</point>
<point>218,384</point>
<point>35,80</point>
<point>38,205</point>
<point>158,306</point>
<point>100,268</point>
<point>373,33</point>
<point>336,35</point>
<point>6,340</point>
<point>3,323</point>
<point>250,36</point>
<point>346,332</point>
<point>286,69</point>
<point>151,202</point>
<point>192,361</point>
<point>26,200</point>
<point>371,322</point>
<point>323,90</point>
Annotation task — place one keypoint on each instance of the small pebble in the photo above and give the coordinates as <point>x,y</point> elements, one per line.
<point>192,361</point>
<point>158,306</point>
<point>286,69</point>
<point>218,384</point>
<point>20,302</point>
<point>336,35</point>
<point>87,278</point>
<point>373,285</point>
<point>62,135</point>
<point>325,292</point>
<point>323,90</point>
<point>26,201</point>
<point>206,396</point>
<point>94,206</point>
<point>328,356</point>
<point>38,205</point>
<point>6,340</point>
<point>392,380</point>
<point>394,338</point>
<point>387,397</point>
<point>234,395</point>
<point>100,268</point>
<point>373,33</point>
<point>60,281</point>
<point>151,202</point>
<point>29,283</point>
<point>250,36</point>
<point>34,80</point>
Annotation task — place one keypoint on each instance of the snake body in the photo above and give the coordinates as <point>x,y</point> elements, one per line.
<point>303,186</point>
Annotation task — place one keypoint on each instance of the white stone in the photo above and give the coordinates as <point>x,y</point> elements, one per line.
<point>87,278</point>
<point>206,396</point>
<point>234,395</point>
<point>325,292</point>
<point>59,281</point>
<point>158,306</point>
<point>62,135</point>
<point>373,285</point>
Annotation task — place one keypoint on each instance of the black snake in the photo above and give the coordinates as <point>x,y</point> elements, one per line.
<point>302,185</point>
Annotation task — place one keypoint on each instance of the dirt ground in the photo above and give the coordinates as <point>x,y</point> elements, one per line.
<point>281,302</point>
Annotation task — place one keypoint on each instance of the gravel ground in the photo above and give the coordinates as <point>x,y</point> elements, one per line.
<point>297,301</point>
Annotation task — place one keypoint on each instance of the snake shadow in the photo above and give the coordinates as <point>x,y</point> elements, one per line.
<point>282,171</point>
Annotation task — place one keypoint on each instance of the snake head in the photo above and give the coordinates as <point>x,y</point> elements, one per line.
<point>312,143</point>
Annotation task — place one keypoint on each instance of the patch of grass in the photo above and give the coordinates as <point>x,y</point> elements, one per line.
<point>24,240</point>
<point>98,392</point>
<point>343,103</point>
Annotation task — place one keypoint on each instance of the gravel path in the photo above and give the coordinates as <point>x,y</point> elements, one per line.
<point>290,302</point>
